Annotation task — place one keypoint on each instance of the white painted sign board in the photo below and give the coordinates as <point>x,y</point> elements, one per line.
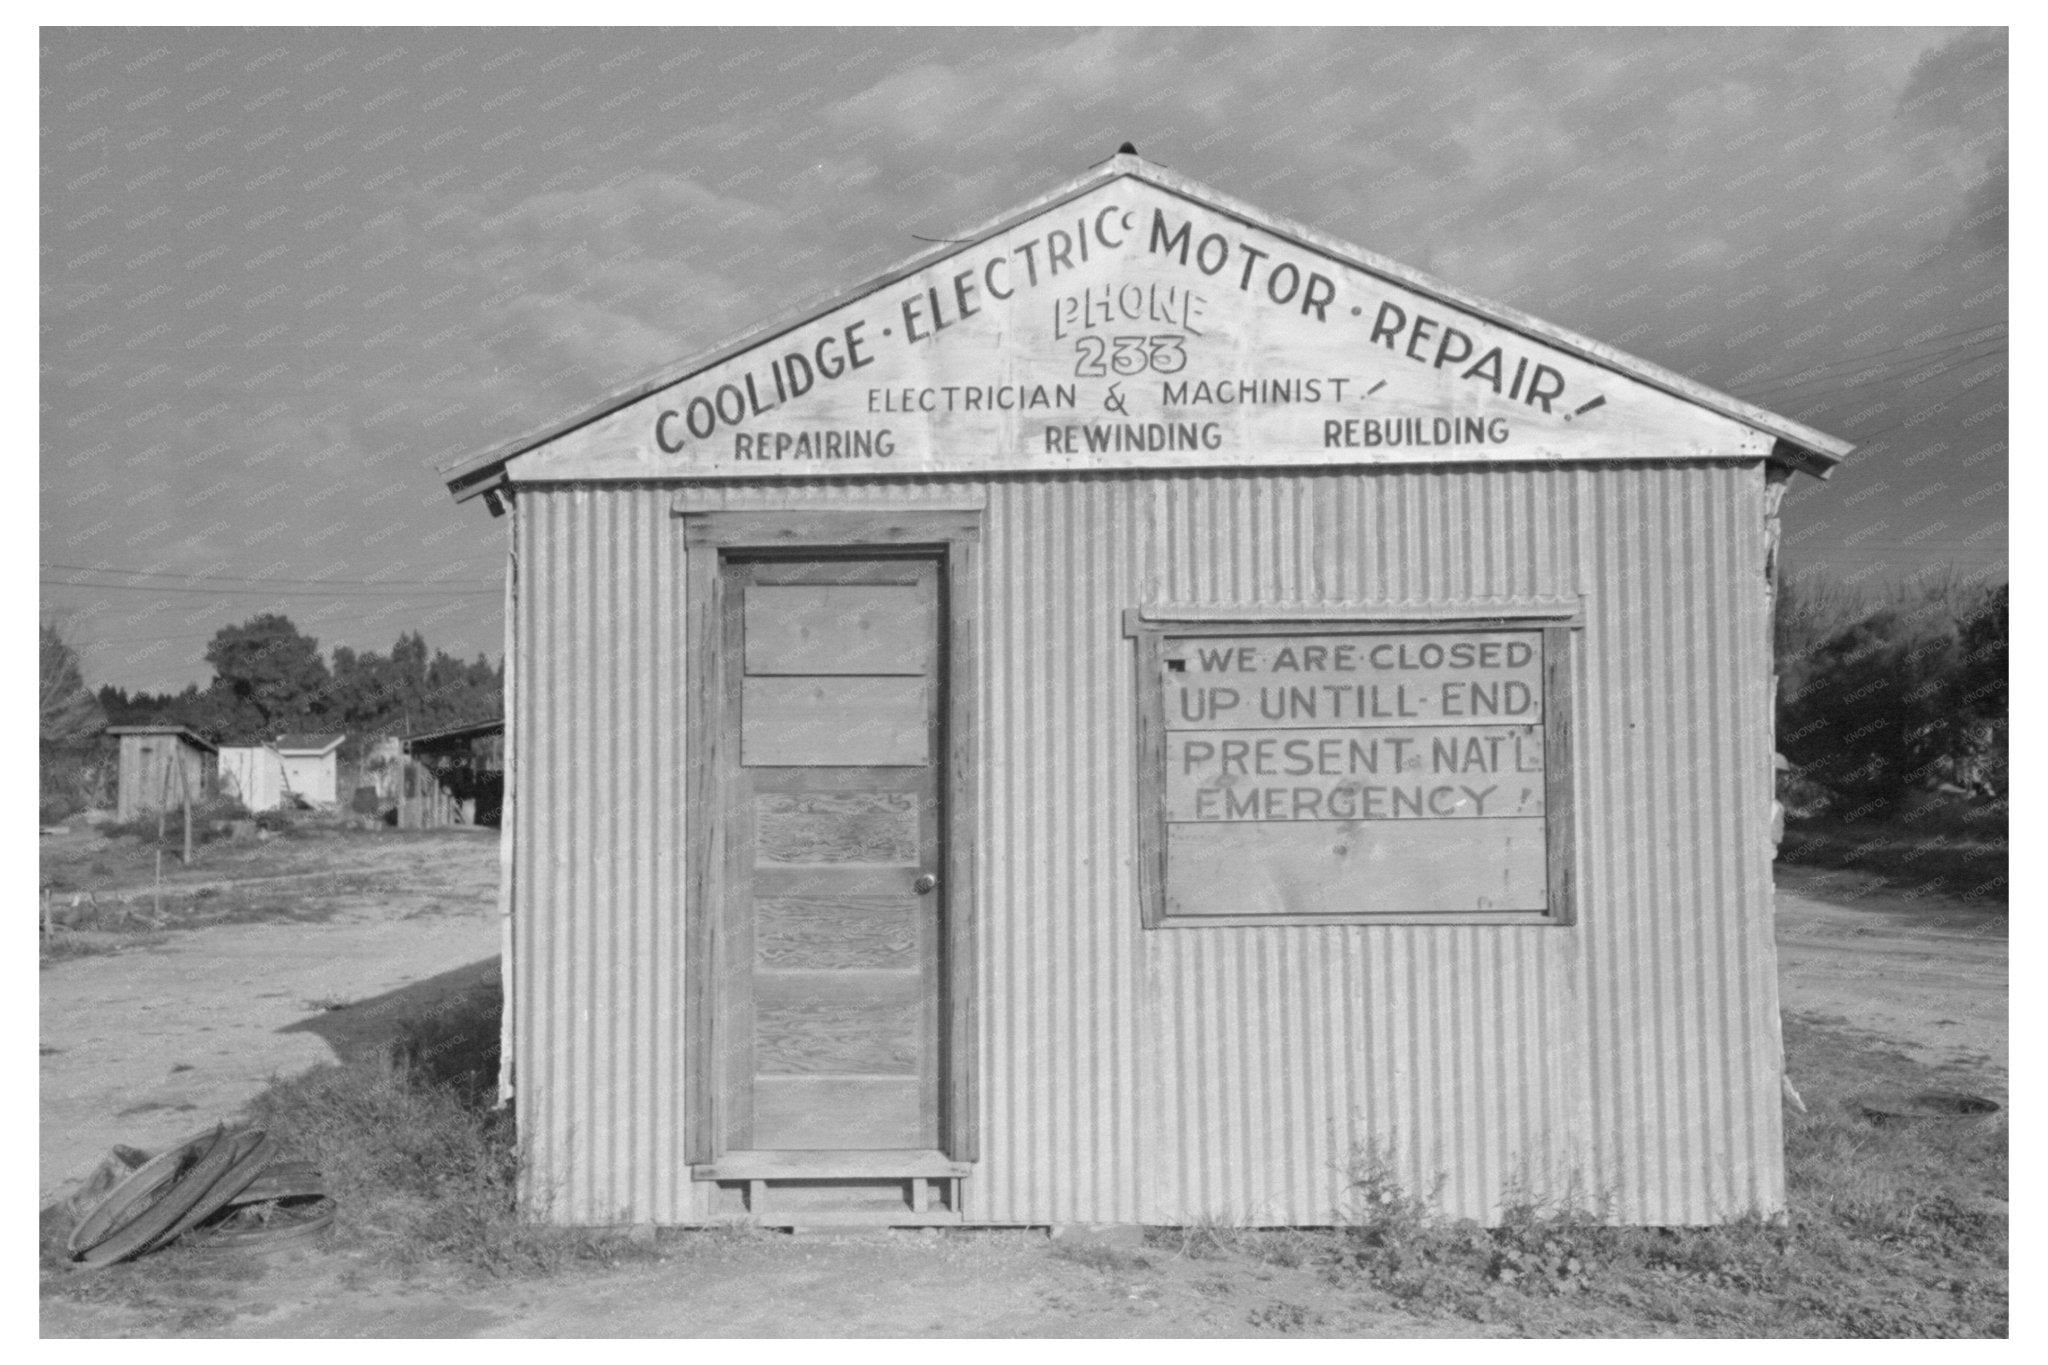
<point>1132,327</point>
<point>1352,775</point>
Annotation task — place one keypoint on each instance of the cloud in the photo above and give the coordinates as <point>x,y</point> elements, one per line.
<point>594,287</point>
<point>1955,118</point>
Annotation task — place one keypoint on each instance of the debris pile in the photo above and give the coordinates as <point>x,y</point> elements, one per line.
<point>220,1188</point>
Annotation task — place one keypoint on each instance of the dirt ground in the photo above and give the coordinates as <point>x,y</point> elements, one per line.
<point>1928,974</point>
<point>148,1043</point>
<point>145,1045</point>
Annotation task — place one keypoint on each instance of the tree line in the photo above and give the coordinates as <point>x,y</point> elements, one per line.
<point>1884,692</point>
<point>270,679</point>
<point>1880,692</point>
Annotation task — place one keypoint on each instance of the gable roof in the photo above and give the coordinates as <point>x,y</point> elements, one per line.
<point>189,736</point>
<point>314,745</point>
<point>470,731</point>
<point>621,449</point>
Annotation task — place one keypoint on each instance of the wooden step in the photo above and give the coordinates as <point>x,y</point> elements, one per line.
<point>904,1165</point>
<point>824,1220</point>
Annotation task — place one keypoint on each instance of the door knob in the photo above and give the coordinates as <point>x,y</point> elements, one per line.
<point>925,884</point>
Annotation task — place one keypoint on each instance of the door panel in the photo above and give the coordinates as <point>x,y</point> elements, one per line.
<point>831,988</point>
<point>836,628</point>
<point>840,721</point>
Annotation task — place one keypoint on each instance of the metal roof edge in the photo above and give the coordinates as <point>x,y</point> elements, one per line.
<point>1803,447</point>
<point>183,731</point>
<point>329,742</point>
<point>449,732</point>
<point>1822,448</point>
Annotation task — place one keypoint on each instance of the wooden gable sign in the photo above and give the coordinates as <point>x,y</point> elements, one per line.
<point>1133,321</point>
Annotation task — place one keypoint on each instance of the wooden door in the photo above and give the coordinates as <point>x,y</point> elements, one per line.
<point>833,787</point>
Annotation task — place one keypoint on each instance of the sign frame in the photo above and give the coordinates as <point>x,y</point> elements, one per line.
<point>1151,629</point>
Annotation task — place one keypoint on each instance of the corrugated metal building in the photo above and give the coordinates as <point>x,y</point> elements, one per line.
<point>1139,715</point>
<point>161,767</point>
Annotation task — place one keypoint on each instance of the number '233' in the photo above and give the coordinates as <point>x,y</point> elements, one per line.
<point>1128,355</point>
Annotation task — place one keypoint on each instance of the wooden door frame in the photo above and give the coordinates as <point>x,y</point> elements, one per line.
<point>952,536</point>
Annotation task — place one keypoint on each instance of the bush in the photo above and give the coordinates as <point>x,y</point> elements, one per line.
<point>422,1162</point>
<point>221,809</point>
<point>210,820</point>
<point>1882,695</point>
<point>76,776</point>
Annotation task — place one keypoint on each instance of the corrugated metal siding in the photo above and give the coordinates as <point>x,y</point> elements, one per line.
<point>597,825</point>
<point>1629,1061</point>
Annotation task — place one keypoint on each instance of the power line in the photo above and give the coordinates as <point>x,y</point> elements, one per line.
<point>1855,379</point>
<point>1865,438</point>
<point>1917,379</point>
<point>238,578</point>
<point>1800,378</point>
<point>223,591</point>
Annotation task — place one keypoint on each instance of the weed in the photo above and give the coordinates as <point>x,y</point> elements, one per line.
<point>1957,847</point>
<point>65,947</point>
<point>137,913</point>
<point>1284,1317</point>
<point>1107,1259</point>
<point>1206,1238</point>
<point>1891,1232</point>
<point>424,1169</point>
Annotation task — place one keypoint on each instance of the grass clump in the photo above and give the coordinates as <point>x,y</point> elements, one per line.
<point>423,1166</point>
<point>422,1163</point>
<point>1945,846</point>
<point>1892,1231</point>
<point>1097,1256</point>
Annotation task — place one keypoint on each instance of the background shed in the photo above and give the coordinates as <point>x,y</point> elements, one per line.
<point>454,776</point>
<point>308,764</point>
<point>162,765</point>
<point>252,774</point>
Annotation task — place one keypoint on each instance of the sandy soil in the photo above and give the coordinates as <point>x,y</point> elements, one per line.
<point>237,1003</point>
<point>151,1043</point>
<point>1927,974</point>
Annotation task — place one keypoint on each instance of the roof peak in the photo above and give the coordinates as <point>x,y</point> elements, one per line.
<point>1781,438</point>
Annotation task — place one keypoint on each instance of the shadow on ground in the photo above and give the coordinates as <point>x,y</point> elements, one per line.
<point>1901,911</point>
<point>358,1029</point>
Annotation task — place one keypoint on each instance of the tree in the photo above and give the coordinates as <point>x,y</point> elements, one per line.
<point>1987,639</point>
<point>1867,718</point>
<point>70,712</point>
<point>1977,707</point>
<point>271,677</point>
<point>410,690</point>
<point>76,754</point>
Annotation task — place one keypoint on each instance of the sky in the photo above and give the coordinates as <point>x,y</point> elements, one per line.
<point>288,276</point>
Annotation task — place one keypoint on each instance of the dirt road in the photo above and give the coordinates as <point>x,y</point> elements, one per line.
<point>1928,974</point>
<point>144,1045</point>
